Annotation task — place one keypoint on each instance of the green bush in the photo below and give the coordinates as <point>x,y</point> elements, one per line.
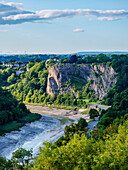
<point>93,113</point>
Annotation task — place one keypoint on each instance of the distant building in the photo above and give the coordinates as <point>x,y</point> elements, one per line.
<point>15,65</point>
<point>7,64</point>
<point>18,72</point>
<point>23,64</point>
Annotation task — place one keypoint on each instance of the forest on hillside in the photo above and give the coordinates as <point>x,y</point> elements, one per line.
<point>13,113</point>
<point>104,148</point>
<point>31,85</point>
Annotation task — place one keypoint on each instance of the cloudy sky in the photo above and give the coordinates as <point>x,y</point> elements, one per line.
<point>55,26</point>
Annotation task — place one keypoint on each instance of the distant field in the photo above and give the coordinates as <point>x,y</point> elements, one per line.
<point>87,101</point>
<point>64,107</point>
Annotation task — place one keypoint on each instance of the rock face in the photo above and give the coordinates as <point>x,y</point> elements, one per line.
<point>103,78</point>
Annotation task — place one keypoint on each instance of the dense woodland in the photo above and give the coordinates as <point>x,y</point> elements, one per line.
<point>31,85</point>
<point>104,148</point>
<point>13,113</point>
<point>10,108</point>
<point>27,57</point>
<point>82,152</point>
<point>7,77</point>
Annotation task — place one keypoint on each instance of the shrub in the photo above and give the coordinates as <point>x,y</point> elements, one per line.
<point>93,113</point>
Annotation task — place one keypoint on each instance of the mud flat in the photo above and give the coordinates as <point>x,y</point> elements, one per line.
<point>57,112</point>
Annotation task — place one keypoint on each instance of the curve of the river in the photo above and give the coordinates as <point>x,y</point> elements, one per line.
<point>32,135</point>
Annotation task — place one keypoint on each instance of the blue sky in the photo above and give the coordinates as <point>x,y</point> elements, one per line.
<point>55,26</point>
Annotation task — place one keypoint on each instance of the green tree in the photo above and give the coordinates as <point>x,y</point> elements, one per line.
<point>73,59</point>
<point>82,123</point>
<point>11,79</point>
<point>21,157</point>
<point>93,113</point>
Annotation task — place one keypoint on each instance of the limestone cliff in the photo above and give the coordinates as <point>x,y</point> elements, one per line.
<point>103,78</point>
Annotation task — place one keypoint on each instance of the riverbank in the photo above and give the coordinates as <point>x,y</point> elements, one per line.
<point>50,127</point>
<point>63,111</point>
<point>16,125</point>
<point>71,114</point>
<point>32,135</point>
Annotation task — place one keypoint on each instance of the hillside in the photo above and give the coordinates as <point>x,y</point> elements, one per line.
<point>82,152</point>
<point>66,81</point>
<point>72,84</point>
<point>69,83</point>
<point>13,113</point>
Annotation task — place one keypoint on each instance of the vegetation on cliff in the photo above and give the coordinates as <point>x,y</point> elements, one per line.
<point>117,97</point>
<point>120,65</point>
<point>103,148</point>
<point>31,85</point>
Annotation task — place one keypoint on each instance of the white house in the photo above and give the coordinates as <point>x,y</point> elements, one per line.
<point>18,72</point>
<point>16,65</point>
<point>7,64</point>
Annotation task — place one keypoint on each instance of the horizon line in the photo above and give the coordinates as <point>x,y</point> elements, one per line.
<point>36,53</point>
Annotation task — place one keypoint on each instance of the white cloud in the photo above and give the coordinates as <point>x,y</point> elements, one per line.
<point>13,13</point>
<point>17,5</point>
<point>108,18</point>
<point>78,30</point>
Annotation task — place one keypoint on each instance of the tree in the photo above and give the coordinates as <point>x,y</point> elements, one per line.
<point>37,60</point>
<point>2,163</point>
<point>79,60</point>
<point>21,157</point>
<point>11,79</point>
<point>60,99</point>
<point>82,123</point>
<point>102,58</point>
<point>5,164</point>
<point>73,59</point>
<point>93,113</point>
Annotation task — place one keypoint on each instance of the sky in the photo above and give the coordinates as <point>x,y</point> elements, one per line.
<point>63,26</point>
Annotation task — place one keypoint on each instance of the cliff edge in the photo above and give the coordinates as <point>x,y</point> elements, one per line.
<point>65,78</point>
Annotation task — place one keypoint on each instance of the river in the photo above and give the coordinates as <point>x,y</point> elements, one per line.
<point>32,135</point>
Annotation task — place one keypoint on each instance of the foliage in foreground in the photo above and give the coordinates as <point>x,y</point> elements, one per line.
<point>107,150</point>
<point>76,128</point>
<point>20,160</point>
<point>82,153</point>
